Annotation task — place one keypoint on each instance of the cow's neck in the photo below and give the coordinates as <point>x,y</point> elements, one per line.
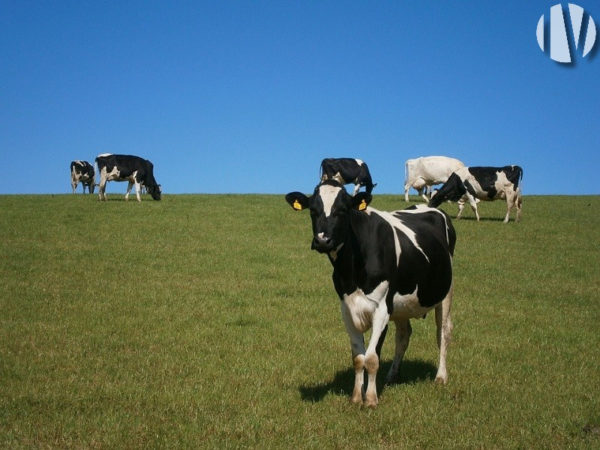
<point>349,261</point>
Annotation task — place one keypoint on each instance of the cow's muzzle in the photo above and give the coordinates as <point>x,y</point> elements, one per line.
<point>322,244</point>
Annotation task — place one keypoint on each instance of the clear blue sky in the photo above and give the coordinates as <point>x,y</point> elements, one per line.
<point>249,96</point>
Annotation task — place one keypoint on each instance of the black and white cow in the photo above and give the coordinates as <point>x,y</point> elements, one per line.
<point>346,171</point>
<point>471,184</point>
<point>386,266</point>
<point>137,171</point>
<point>83,172</point>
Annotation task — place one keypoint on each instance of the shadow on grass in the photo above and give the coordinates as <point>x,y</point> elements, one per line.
<point>343,382</point>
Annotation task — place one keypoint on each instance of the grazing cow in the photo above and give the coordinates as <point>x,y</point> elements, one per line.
<point>346,171</point>
<point>386,266</point>
<point>135,170</point>
<point>83,172</point>
<point>422,173</point>
<point>482,183</point>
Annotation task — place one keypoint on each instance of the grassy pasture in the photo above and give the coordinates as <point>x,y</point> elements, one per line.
<point>206,321</point>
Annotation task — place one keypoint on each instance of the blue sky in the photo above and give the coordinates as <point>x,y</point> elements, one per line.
<point>249,96</point>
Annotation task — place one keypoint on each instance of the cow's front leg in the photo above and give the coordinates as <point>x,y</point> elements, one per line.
<point>380,322</point>
<point>357,343</point>
<point>137,191</point>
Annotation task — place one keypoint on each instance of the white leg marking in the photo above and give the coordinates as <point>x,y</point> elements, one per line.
<point>137,191</point>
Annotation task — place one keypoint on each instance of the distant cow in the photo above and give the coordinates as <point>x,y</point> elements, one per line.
<point>482,183</point>
<point>83,172</point>
<point>386,266</point>
<point>426,171</point>
<point>346,171</point>
<point>137,171</point>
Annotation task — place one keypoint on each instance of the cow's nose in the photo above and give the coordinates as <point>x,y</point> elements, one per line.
<point>321,243</point>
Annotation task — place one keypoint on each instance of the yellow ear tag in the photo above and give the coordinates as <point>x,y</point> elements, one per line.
<point>363,205</point>
<point>297,206</point>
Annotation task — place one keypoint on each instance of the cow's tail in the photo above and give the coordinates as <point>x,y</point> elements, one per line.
<point>519,170</point>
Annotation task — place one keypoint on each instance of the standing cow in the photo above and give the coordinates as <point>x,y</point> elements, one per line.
<point>346,171</point>
<point>427,171</point>
<point>472,184</point>
<point>137,171</point>
<point>83,172</point>
<point>386,266</point>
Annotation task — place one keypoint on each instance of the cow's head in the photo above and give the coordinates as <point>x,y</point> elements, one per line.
<point>330,210</point>
<point>452,190</point>
<point>154,190</point>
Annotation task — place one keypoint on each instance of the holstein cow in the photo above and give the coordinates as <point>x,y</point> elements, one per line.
<point>472,184</point>
<point>426,171</point>
<point>386,266</point>
<point>82,172</point>
<point>135,170</point>
<point>346,171</point>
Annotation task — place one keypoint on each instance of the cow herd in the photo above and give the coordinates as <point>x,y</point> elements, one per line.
<point>387,266</point>
<point>395,266</point>
<point>136,171</point>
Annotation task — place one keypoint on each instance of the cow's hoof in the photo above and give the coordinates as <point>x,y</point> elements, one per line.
<point>441,380</point>
<point>371,404</point>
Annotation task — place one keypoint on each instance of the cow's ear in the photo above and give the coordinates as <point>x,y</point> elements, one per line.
<point>297,200</point>
<point>361,200</point>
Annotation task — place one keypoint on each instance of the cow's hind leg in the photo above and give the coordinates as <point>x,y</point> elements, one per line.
<point>519,203</point>
<point>129,186</point>
<point>510,202</point>
<point>403,332</point>
<point>444,333</point>
<point>102,189</point>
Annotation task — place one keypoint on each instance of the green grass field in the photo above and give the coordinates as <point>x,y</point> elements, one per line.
<point>206,321</point>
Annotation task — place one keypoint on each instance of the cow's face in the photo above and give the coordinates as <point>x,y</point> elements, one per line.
<point>330,208</point>
<point>155,191</point>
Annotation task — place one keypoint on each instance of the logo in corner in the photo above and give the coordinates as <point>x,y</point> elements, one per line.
<point>580,21</point>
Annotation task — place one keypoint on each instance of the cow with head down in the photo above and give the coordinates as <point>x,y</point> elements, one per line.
<point>387,266</point>
<point>472,184</point>
<point>137,171</point>
<point>83,172</point>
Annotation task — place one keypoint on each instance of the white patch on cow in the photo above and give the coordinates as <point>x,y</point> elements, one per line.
<point>360,307</point>
<point>407,306</point>
<point>397,224</point>
<point>328,195</point>
<point>102,155</point>
<point>112,175</point>
<point>502,185</point>
<point>360,162</point>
